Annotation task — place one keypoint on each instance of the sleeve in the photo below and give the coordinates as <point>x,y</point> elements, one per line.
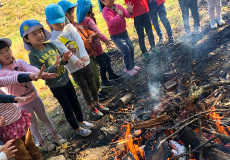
<point>3,156</point>
<point>94,27</point>
<point>7,98</point>
<point>35,62</point>
<point>27,67</point>
<point>110,19</point>
<point>78,40</point>
<point>8,80</point>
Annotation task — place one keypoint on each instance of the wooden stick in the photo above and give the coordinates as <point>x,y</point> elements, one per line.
<point>189,152</point>
<point>178,130</point>
<point>200,136</point>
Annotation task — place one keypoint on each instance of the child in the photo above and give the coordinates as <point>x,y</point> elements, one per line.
<point>115,15</point>
<point>10,67</point>
<point>17,121</point>
<point>102,58</point>
<point>157,8</point>
<point>142,22</point>
<point>215,19</point>
<point>79,67</point>
<point>185,5</point>
<point>34,36</point>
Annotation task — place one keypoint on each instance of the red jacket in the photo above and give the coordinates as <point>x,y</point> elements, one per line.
<point>140,7</point>
<point>159,2</point>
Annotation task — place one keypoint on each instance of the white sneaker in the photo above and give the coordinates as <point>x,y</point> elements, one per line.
<point>84,132</point>
<point>47,146</point>
<point>220,21</point>
<point>86,125</point>
<point>213,24</point>
<point>59,140</point>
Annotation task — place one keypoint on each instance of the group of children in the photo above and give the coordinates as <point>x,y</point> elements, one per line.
<point>75,48</point>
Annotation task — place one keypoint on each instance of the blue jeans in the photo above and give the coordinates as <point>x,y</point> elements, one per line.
<point>185,5</point>
<point>143,22</point>
<point>123,42</point>
<point>154,12</point>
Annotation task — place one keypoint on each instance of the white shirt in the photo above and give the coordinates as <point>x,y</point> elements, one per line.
<point>71,34</point>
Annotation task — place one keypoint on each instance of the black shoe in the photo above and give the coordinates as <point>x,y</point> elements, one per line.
<point>102,96</point>
<point>115,77</point>
<point>107,84</point>
<point>171,40</point>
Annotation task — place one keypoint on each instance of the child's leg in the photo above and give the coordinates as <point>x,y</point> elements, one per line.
<point>131,48</point>
<point>153,9</point>
<point>41,114</point>
<point>138,23</point>
<point>211,9</point>
<point>185,14</point>
<point>195,13</point>
<point>218,8</point>
<point>103,67</point>
<point>94,67</point>
<point>108,64</point>
<point>163,16</point>
<point>63,99</point>
<point>148,28</point>
<point>121,44</point>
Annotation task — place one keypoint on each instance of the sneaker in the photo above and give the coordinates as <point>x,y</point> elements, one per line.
<point>220,21</point>
<point>188,33</point>
<point>47,146</point>
<point>155,51</point>
<point>196,30</point>
<point>107,84</point>
<point>97,113</point>
<point>58,139</point>
<point>86,125</point>
<point>131,72</point>
<point>102,108</point>
<point>161,41</point>
<point>115,77</point>
<point>147,56</point>
<point>137,68</point>
<point>213,24</point>
<point>84,132</point>
<point>102,96</point>
<point>171,40</point>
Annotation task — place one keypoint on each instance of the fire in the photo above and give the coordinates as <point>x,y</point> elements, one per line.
<point>130,145</point>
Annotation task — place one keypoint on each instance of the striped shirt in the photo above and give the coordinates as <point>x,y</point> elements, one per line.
<point>9,111</point>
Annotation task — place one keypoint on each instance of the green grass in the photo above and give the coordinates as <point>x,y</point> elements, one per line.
<point>14,12</point>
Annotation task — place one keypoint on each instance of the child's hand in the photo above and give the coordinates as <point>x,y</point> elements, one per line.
<point>8,149</point>
<point>23,99</point>
<point>42,74</point>
<point>57,63</point>
<point>129,7</point>
<point>2,121</point>
<point>90,38</point>
<point>119,12</point>
<point>80,63</point>
<point>108,43</point>
<point>66,56</point>
<point>85,59</point>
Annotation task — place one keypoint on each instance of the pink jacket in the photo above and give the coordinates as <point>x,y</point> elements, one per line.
<point>115,23</point>
<point>20,89</point>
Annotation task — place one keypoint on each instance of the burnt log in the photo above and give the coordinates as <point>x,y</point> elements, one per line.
<point>125,99</point>
<point>215,154</point>
<point>153,122</point>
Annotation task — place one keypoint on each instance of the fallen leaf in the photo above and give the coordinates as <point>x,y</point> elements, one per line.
<point>65,145</point>
<point>111,116</point>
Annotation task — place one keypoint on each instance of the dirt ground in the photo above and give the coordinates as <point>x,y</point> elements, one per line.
<point>210,49</point>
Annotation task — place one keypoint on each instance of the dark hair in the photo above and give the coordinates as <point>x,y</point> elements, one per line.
<point>102,5</point>
<point>3,45</point>
<point>70,9</point>
<point>26,36</point>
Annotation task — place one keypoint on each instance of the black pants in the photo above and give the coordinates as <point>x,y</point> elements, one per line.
<point>67,98</point>
<point>143,22</point>
<point>105,66</point>
<point>85,80</point>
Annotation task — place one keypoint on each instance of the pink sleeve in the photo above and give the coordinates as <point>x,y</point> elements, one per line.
<point>27,67</point>
<point>110,19</point>
<point>5,81</point>
<point>94,28</point>
<point>125,12</point>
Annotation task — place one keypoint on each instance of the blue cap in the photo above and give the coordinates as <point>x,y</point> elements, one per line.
<point>83,9</point>
<point>29,26</point>
<point>65,5</point>
<point>54,14</point>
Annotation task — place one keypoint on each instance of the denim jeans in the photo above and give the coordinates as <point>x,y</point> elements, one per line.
<point>105,66</point>
<point>185,5</point>
<point>123,42</point>
<point>154,12</point>
<point>143,22</point>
